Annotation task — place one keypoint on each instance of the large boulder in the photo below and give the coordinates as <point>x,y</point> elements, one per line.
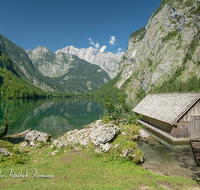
<point>37,135</point>
<point>103,133</point>
<point>99,135</point>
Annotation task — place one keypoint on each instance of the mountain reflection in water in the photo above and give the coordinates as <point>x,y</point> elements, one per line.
<point>54,116</point>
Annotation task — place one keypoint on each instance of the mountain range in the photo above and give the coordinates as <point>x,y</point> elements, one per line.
<point>59,71</point>
<point>163,56</point>
<point>108,61</point>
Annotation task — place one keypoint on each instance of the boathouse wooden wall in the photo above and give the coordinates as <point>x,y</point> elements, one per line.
<point>159,124</point>
<point>189,125</point>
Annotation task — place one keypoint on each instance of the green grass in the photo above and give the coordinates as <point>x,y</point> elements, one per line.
<point>82,169</point>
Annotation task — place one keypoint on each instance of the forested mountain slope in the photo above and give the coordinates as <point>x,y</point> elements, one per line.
<point>11,85</point>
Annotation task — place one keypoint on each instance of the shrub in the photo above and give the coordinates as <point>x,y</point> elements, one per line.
<point>119,112</point>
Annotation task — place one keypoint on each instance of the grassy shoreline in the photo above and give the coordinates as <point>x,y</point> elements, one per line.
<point>79,168</point>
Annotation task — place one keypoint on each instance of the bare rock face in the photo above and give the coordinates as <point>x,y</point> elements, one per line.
<point>108,61</point>
<point>65,70</point>
<point>169,41</point>
<point>37,135</point>
<point>100,134</point>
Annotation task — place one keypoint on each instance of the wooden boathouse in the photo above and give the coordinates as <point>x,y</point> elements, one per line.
<point>175,117</point>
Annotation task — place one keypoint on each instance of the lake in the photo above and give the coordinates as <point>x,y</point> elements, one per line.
<point>53,116</point>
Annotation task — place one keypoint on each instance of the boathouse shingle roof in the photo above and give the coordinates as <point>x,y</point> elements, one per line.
<point>167,107</point>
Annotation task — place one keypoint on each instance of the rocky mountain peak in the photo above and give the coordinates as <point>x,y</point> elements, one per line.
<point>108,61</point>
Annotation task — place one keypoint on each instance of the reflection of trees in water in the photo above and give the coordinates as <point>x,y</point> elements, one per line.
<point>55,125</point>
<point>43,108</point>
<point>55,116</point>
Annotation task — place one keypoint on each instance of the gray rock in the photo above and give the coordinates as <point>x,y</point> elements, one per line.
<point>53,153</point>
<point>42,138</point>
<point>141,160</point>
<point>117,145</point>
<point>99,134</point>
<point>102,133</point>
<point>124,133</point>
<point>106,147</point>
<point>126,152</point>
<point>98,150</point>
<point>37,135</point>
<point>32,143</point>
<point>23,144</point>
<point>25,132</point>
<point>85,141</point>
<point>106,60</point>
<point>62,144</point>
<point>55,142</point>
<point>4,152</point>
<point>31,136</point>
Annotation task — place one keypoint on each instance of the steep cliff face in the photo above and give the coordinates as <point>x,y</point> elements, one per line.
<point>67,73</point>
<point>108,61</point>
<point>48,63</point>
<point>168,44</point>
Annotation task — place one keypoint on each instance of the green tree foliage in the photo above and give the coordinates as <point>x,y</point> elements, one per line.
<point>140,94</point>
<point>138,34</point>
<point>109,87</point>
<point>118,112</point>
<point>13,87</point>
<point>169,36</point>
<point>176,85</point>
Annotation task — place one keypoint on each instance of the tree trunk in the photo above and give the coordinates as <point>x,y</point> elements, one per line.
<point>6,124</point>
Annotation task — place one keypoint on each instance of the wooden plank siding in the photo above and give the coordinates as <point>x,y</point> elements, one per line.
<point>188,127</point>
<point>159,124</point>
<point>174,116</point>
<point>181,130</point>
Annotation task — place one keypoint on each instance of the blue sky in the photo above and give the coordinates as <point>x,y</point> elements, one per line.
<point>102,24</point>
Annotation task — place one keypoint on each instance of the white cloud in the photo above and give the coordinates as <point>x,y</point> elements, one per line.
<point>112,40</point>
<point>97,45</point>
<point>103,48</point>
<point>91,42</point>
<point>120,51</point>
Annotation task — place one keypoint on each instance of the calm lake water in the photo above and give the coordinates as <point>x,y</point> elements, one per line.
<point>166,159</point>
<point>53,116</point>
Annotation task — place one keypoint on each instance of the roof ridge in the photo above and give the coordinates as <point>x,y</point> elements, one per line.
<point>186,110</point>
